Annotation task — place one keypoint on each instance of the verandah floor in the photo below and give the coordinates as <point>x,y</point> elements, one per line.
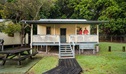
<point>57,43</point>
<point>66,66</point>
<point>54,50</point>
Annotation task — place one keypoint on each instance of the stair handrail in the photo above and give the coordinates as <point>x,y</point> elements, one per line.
<point>59,48</point>
<point>73,44</point>
<point>71,41</point>
<point>59,41</point>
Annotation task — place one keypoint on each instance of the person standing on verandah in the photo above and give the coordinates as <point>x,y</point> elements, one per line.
<point>85,32</point>
<point>80,31</point>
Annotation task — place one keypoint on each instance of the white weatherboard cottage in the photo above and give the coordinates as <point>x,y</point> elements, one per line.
<point>65,34</point>
<point>15,40</point>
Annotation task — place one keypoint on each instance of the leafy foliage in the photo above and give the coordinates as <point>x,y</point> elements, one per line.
<point>46,8</point>
<point>112,10</point>
<point>11,28</point>
<point>21,9</point>
<point>1,26</point>
<point>18,10</point>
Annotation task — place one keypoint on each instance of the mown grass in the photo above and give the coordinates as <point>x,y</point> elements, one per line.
<point>45,64</point>
<point>103,62</point>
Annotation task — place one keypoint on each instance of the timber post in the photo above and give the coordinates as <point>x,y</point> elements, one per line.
<point>123,48</point>
<point>109,49</point>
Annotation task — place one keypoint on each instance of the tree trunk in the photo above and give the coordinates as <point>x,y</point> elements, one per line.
<point>22,35</point>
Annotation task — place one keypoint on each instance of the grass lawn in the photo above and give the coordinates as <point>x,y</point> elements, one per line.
<point>103,62</point>
<point>45,64</point>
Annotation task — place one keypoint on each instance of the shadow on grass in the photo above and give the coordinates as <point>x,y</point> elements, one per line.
<point>11,67</point>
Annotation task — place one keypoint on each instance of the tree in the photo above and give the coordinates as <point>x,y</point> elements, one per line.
<point>2,1</point>
<point>1,26</point>
<point>10,28</point>
<point>62,9</point>
<point>46,8</point>
<point>22,10</point>
<point>18,10</point>
<point>112,10</point>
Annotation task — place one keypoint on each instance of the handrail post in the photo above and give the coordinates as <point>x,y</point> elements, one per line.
<point>73,50</point>
<point>59,47</point>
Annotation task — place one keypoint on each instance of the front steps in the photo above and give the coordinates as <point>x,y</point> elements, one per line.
<point>66,51</point>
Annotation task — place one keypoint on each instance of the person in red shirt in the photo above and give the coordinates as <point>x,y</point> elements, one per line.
<point>80,31</point>
<point>85,31</point>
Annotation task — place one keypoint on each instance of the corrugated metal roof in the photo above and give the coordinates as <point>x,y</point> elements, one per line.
<point>62,21</point>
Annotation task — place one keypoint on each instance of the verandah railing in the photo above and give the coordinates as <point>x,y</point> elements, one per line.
<point>46,38</point>
<point>83,38</point>
<point>72,38</point>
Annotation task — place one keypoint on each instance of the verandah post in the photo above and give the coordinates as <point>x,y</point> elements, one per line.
<point>73,51</point>
<point>31,38</point>
<point>46,49</point>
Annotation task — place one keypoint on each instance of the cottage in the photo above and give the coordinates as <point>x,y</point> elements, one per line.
<point>65,33</point>
<point>11,40</point>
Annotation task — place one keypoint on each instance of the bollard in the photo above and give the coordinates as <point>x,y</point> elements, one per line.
<point>123,48</point>
<point>109,49</point>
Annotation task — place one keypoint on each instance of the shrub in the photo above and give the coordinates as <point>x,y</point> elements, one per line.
<point>11,28</point>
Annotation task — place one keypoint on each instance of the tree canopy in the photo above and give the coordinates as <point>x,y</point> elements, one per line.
<point>18,10</point>
<point>111,10</point>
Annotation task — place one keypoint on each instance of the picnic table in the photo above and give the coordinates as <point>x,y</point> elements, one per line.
<point>1,44</point>
<point>16,55</point>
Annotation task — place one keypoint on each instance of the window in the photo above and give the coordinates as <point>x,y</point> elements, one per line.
<point>48,30</point>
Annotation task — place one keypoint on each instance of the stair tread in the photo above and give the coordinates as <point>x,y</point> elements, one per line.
<point>65,48</point>
<point>66,55</point>
<point>67,52</point>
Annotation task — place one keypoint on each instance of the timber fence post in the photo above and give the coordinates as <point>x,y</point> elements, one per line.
<point>123,48</point>
<point>109,48</point>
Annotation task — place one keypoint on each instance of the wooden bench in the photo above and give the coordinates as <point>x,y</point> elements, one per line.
<point>87,46</point>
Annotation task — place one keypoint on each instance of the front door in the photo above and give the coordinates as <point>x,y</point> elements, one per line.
<point>63,35</point>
